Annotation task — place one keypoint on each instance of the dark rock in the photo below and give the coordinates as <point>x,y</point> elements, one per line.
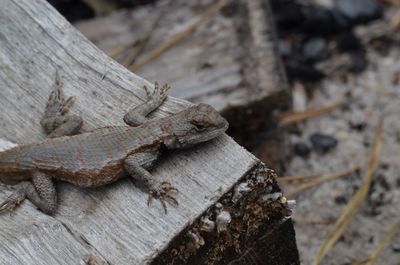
<point>377,195</point>
<point>358,11</point>
<point>285,48</point>
<point>347,41</point>
<point>287,14</point>
<point>366,144</point>
<point>302,150</point>
<point>315,49</point>
<point>358,126</point>
<point>342,200</point>
<point>299,70</point>
<point>382,182</point>
<point>341,21</point>
<point>384,166</point>
<point>73,10</point>
<point>396,247</point>
<point>358,61</point>
<point>319,21</point>
<point>322,142</point>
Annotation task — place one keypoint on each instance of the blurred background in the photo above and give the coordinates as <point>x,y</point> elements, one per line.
<point>311,87</point>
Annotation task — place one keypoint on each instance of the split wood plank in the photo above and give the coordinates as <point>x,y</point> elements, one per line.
<point>229,61</point>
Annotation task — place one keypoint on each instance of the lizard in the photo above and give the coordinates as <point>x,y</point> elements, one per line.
<point>103,155</point>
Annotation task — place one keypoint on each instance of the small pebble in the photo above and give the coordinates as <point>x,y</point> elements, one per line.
<point>315,49</point>
<point>358,126</point>
<point>359,11</point>
<point>287,14</point>
<point>223,219</point>
<point>347,41</point>
<point>322,142</point>
<point>359,62</point>
<point>302,150</point>
<point>341,200</point>
<point>285,48</point>
<point>319,21</point>
<point>396,247</point>
<point>299,70</point>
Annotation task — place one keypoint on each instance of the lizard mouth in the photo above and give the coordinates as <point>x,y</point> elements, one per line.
<point>224,124</point>
<point>203,137</point>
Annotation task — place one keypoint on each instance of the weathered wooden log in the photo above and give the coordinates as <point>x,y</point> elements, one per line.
<point>228,61</point>
<point>230,206</point>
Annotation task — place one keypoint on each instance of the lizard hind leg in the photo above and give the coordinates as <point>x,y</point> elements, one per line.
<point>56,122</point>
<point>137,115</point>
<point>41,192</point>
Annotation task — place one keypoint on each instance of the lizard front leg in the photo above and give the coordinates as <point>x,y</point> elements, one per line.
<point>137,115</point>
<point>136,166</point>
<point>41,192</point>
<point>56,122</point>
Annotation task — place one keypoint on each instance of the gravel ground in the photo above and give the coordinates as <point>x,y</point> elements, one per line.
<point>368,96</point>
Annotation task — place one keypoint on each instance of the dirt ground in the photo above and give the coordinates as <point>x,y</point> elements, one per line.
<point>367,96</point>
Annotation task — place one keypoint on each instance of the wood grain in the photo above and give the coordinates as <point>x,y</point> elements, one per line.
<point>112,222</point>
<point>229,61</point>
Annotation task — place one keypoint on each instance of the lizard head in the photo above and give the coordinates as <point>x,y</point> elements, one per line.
<point>194,125</point>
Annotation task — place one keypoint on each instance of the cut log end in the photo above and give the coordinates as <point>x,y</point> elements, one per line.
<point>251,222</point>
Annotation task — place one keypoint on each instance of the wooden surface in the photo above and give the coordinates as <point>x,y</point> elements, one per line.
<point>228,61</point>
<point>112,222</point>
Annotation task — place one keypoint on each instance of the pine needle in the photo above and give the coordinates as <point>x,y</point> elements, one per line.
<point>320,180</point>
<point>116,51</point>
<point>297,178</point>
<point>302,115</point>
<point>354,204</point>
<point>378,249</point>
<point>305,219</point>
<point>134,53</point>
<point>179,36</point>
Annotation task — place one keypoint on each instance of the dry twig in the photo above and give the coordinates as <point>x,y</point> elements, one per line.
<point>378,249</point>
<point>179,36</point>
<point>116,51</point>
<point>290,118</point>
<point>354,204</point>
<point>305,219</point>
<point>394,23</point>
<point>306,177</point>
<point>320,180</point>
<point>132,56</point>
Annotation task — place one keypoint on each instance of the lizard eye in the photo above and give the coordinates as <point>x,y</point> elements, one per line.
<point>200,127</point>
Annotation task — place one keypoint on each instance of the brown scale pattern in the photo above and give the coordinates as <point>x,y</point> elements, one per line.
<point>89,159</point>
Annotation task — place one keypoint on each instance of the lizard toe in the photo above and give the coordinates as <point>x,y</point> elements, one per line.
<point>7,187</point>
<point>162,193</point>
<point>15,199</point>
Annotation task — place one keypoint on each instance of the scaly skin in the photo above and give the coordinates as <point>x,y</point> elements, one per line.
<point>103,155</point>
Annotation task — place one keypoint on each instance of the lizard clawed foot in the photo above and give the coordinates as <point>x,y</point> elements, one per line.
<point>163,194</point>
<point>56,122</point>
<point>56,109</point>
<point>159,94</point>
<point>13,200</point>
<point>57,103</point>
